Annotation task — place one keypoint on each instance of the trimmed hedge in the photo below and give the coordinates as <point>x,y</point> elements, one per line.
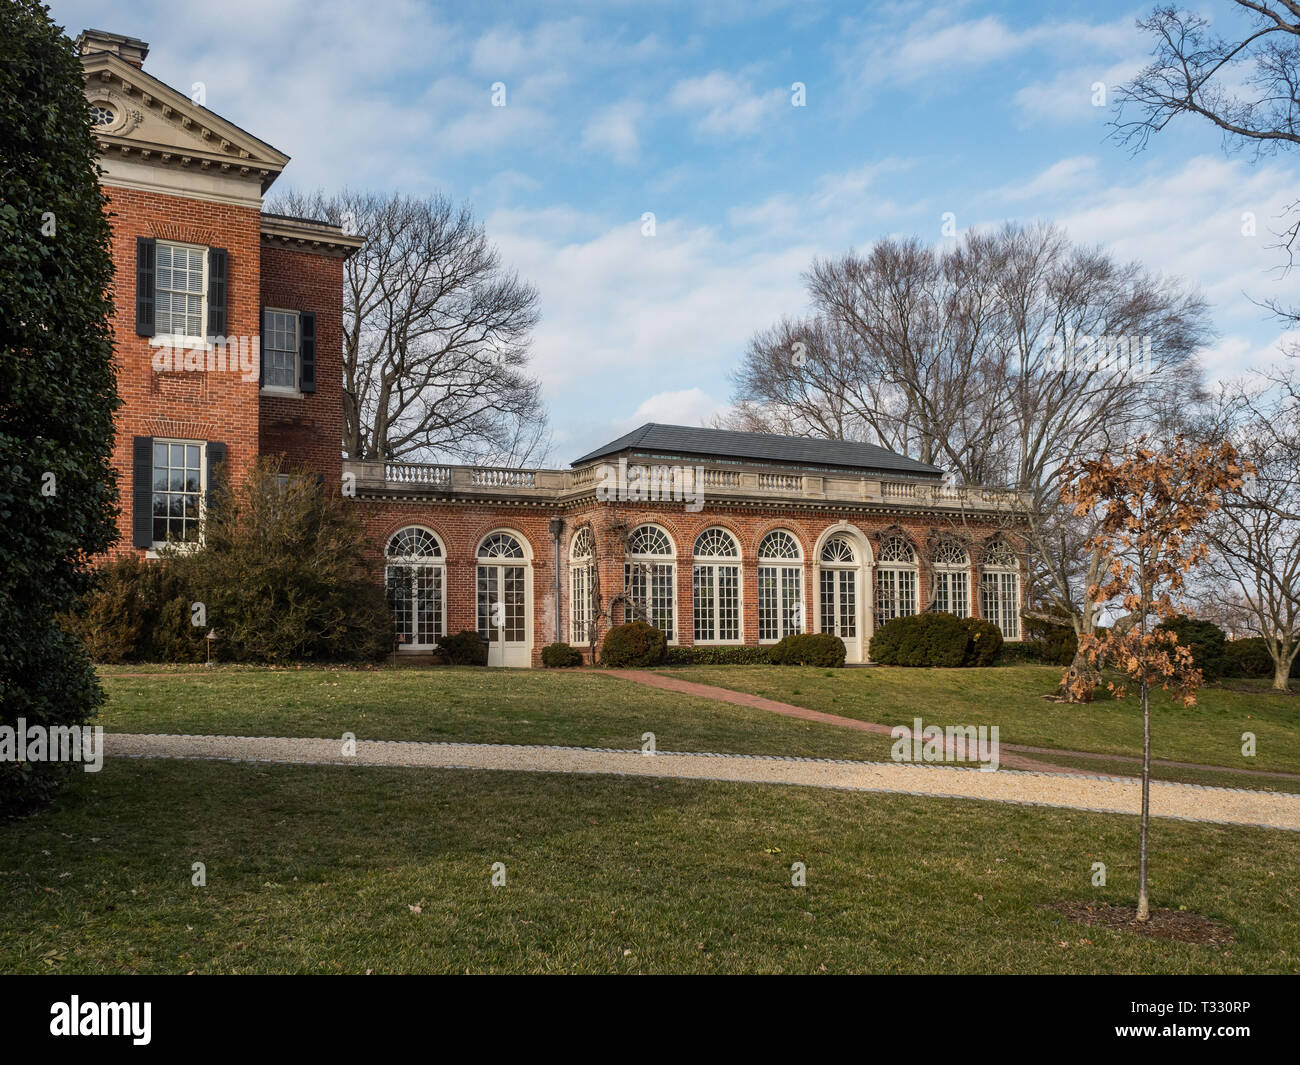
<point>633,646</point>
<point>1054,644</point>
<point>561,656</point>
<point>1208,644</point>
<point>465,648</point>
<point>809,649</point>
<point>936,639</point>
<point>718,656</point>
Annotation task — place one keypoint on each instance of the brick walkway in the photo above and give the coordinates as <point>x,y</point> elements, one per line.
<point>1189,802</point>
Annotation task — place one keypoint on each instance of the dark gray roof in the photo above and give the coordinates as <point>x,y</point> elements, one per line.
<point>684,440</point>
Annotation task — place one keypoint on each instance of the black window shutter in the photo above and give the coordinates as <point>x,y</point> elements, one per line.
<point>145,258</point>
<point>307,351</point>
<point>142,492</point>
<point>261,361</point>
<point>217,265</point>
<point>214,453</point>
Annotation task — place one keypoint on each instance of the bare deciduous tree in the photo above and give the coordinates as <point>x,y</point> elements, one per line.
<point>1003,357</point>
<point>435,334</point>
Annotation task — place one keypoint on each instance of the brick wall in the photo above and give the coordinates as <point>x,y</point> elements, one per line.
<point>199,405</point>
<point>307,429</point>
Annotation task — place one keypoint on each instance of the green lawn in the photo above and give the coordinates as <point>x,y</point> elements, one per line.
<point>315,869</point>
<point>1011,697</point>
<point>462,705</point>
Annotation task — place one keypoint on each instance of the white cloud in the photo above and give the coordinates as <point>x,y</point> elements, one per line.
<point>726,106</point>
<point>614,130</point>
<point>1068,97</point>
<point>1067,175</point>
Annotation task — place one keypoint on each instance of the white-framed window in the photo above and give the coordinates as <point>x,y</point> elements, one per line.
<point>895,580</point>
<point>780,586</point>
<point>1000,587</point>
<point>839,587</point>
<point>650,578</point>
<point>180,290</point>
<point>178,485</point>
<point>415,576</point>
<point>715,583</point>
<point>952,579</point>
<point>502,585</point>
<point>582,562</point>
<point>280,348</point>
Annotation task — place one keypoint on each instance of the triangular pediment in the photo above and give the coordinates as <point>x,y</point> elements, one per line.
<point>153,123</point>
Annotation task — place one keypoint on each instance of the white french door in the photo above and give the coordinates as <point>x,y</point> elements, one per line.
<point>840,608</point>
<point>503,614</point>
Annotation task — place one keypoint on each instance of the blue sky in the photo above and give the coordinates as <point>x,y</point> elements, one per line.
<point>685,110</point>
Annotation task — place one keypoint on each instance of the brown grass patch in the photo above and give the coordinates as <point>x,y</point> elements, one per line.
<point>1178,925</point>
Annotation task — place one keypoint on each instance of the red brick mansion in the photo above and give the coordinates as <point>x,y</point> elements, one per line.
<point>228,339</point>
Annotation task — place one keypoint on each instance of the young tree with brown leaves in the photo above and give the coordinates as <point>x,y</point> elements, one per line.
<point>1151,511</point>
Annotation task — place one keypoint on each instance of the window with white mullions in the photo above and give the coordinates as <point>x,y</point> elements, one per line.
<point>415,579</point>
<point>180,289</point>
<point>895,580</point>
<point>177,490</point>
<point>780,587</point>
<point>952,579</point>
<point>581,586</point>
<point>650,578</point>
<point>1000,587</point>
<point>716,585</point>
<point>280,350</point>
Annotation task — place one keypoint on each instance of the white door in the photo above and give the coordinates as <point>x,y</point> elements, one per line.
<point>503,615</point>
<point>839,609</point>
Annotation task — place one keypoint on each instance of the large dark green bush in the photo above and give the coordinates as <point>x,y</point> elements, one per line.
<point>937,639</point>
<point>710,655</point>
<point>1206,640</point>
<point>932,639</point>
<point>284,574</point>
<point>984,644</point>
<point>809,649</point>
<point>633,646</point>
<point>1054,644</point>
<point>464,648</point>
<point>1250,657</point>
<point>57,386</point>
<point>561,656</point>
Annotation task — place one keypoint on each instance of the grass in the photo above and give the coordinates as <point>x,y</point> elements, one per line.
<point>460,705</point>
<point>315,869</point>
<point>1011,697</point>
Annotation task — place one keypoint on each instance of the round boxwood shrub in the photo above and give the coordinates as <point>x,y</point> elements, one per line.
<point>465,648</point>
<point>809,649</point>
<point>984,644</point>
<point>1206,640</point>
<point>633,646</point>
<point>560,656</point>
<point>937,639</point>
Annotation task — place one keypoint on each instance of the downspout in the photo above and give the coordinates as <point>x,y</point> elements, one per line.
<point>557,530</point>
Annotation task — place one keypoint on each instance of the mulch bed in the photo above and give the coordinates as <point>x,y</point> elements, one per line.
<point>1178,925</point>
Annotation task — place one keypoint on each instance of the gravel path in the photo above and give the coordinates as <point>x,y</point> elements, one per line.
<point>1191,802</point>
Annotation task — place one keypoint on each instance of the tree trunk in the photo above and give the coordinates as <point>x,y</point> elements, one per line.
<point>1281,673</point>
<point>1144,906</point>
<point>1080,670</point>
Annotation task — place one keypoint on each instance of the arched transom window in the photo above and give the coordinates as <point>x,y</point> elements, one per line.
<point>415,578</point>
<point>1000,588</point>
<point>839,549</point>
<point>500,545</point>
<point>952,578</point>
<point>582,556</point>
<point>895,580</point>
<point>780,586</point>
<point>649,577</point>
<point>715,583</point>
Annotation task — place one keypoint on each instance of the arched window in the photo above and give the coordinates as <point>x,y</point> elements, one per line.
<point>649,577</point>
<point>1000,587</point>
<point>582,561</point>
<point>839,588</point>
<point>715,582</point>
<point>952,579</point>
<point>503,595</point>
<point>780,586</point>
<point>415,577</point>
<point>895,580</point>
